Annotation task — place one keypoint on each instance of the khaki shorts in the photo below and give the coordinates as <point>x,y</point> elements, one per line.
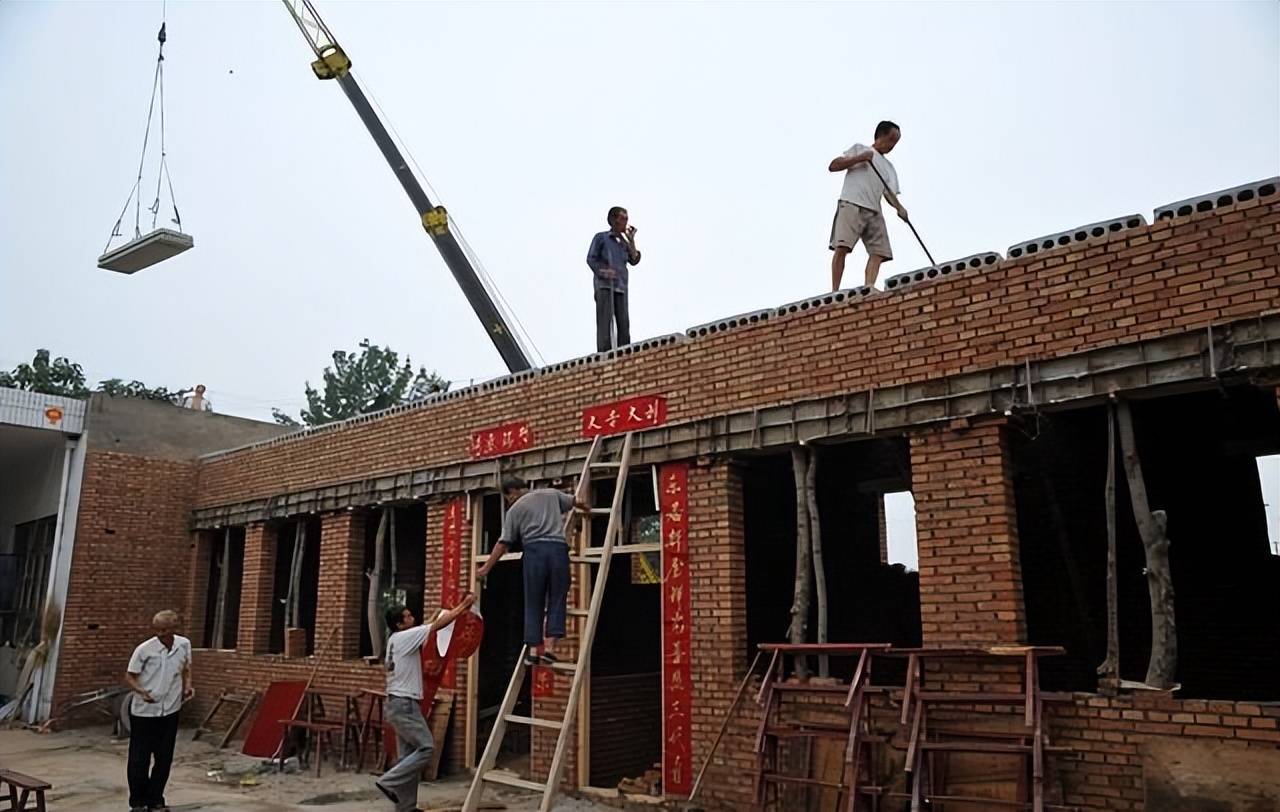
<point>853,223</point>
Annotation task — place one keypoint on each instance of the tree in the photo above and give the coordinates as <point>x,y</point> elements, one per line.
<point>117,388</point>
<point>361,382</point>
<point>56,376</point>
<point>60,376</point>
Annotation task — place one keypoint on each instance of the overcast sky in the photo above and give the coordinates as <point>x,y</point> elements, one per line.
<point>713,123</point>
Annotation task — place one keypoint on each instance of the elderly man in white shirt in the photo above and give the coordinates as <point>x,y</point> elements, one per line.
<point>159,675</point>
<point>868,176</point>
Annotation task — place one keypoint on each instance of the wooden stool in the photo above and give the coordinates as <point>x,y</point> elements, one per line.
<point>318,734</point>
<point>17,781</point>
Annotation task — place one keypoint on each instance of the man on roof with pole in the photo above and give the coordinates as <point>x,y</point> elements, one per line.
<point>868,176</point>
<point>610,253</point>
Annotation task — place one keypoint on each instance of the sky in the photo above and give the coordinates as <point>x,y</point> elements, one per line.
<point>713,123</point>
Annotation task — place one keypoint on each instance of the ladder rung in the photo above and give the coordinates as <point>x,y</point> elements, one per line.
<point>566,666</point>
<point>585,559</point>
<point>599,511</point>
<point>576,612</point>
<point>606,465</point>
<point>513,780</point>
<point>529,720</point>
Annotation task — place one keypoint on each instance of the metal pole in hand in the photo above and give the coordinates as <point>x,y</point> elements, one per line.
<point>613,319</point>
<point>872,164</point>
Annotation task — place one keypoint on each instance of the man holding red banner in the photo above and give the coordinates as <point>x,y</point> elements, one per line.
<point>404,698</point>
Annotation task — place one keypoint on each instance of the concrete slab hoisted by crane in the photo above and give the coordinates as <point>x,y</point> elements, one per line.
<point>145,251</point>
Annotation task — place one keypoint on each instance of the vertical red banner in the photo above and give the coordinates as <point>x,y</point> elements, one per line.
<point>451,570</point>
<point>677,684</point>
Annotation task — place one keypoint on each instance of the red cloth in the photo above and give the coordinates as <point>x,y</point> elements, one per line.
<point>468,631</point>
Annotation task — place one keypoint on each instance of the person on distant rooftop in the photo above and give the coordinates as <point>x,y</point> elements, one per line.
<point>868,176</point>
<point>197,400</point>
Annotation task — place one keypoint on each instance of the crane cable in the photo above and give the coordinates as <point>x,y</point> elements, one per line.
<point>162,172</point>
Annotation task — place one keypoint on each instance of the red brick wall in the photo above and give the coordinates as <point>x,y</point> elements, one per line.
<point>257,588</point>
<point>130,559</point>
<point>718,575</point>
<point>967,536</point>
<point>1174,276</point>
<point>341,583</point>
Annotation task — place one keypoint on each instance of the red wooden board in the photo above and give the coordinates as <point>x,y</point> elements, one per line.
<point>280,701</point>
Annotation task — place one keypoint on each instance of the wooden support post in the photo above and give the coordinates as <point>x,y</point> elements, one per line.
<point>220,610</point>
<point>1110,668</point>
<point>1152,526</point>
<point>375,587</point>
<point>799,630</point>
<point>819,568</point>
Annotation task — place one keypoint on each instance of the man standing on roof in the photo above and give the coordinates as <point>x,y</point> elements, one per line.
<point>610,253</point>
<point>536,519</point>
<point>404,701</point>
<point>868,176</point>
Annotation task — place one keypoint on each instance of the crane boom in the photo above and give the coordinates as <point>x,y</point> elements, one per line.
<point>332,63</point>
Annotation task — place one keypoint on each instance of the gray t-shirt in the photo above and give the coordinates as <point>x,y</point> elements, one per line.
<point>537,516</point>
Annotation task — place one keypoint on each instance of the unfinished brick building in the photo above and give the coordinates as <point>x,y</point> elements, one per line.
<point>980,386</point>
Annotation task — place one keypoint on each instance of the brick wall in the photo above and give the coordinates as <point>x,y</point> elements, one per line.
<point>967,536</point>
<point>718,578</point>
<point>1173,276</point>
<point>341,583</point>
<point>257,588</point>
<point>129,562</point>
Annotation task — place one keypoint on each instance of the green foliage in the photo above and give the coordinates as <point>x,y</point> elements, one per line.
<point>49,376</point>
<point>361,382</point>
<point>60,376</point>
<point>117,388</point>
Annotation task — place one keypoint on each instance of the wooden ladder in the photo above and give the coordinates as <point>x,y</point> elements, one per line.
<point>585,555</point>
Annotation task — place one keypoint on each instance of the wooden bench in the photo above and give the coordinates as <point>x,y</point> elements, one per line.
<point>16,781</point>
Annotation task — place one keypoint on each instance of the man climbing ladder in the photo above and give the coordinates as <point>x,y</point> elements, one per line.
<point>587,557</point>
<point>536,519</point>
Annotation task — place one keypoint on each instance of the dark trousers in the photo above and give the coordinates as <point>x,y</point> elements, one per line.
<point>150,737</point>
<point>611,307</point>
<point>546,588</point>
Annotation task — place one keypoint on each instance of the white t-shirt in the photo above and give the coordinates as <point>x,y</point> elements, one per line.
<point>861,186</point>
<point>159,671</point>
<point>404,663</point>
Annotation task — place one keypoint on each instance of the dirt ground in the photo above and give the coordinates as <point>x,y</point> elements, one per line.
<point>87,770</point>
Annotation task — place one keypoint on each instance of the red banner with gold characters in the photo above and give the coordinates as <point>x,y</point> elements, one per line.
<point>451,570</point>
<point>625,415</point>
<point>677,685</point>
<point>544,682</point>
<point>505,439</point>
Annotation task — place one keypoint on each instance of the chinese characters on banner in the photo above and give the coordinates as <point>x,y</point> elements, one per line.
<point>627,415</point>
<point>504,439</point>
<point>544,681</point>
<point>451,571</point>
<point>677,686</point>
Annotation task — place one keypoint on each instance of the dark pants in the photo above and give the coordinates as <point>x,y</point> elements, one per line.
<point>611,307</point>
<point>546,588</point>
<point>150,737</point>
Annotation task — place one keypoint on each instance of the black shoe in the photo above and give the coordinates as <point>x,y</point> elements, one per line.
<point>532,659</point>
<point>391,796</point>
<point>548,658</point>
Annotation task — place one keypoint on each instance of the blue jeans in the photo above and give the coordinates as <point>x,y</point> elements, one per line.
<point>414,746</point>
<point>546,588</point>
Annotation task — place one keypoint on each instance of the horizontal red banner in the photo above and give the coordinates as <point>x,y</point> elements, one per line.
<point>499,440</point>
<point>625,415</point>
